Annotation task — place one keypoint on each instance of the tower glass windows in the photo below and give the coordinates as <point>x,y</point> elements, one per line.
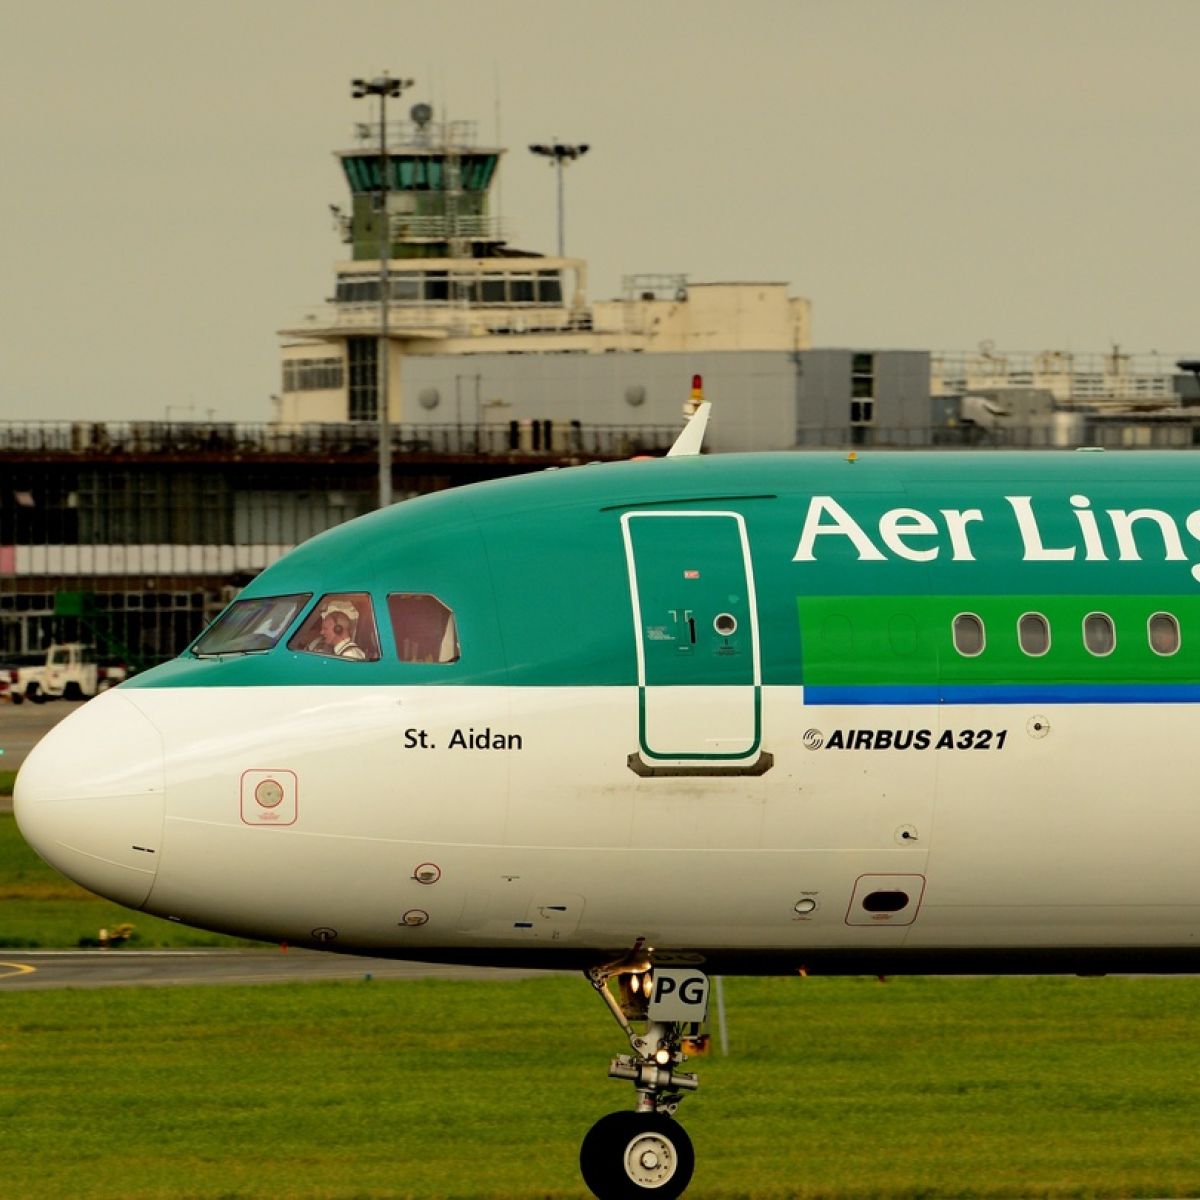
<point>362,356</point>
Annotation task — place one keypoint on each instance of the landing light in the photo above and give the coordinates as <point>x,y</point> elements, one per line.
<point>662,1056</point>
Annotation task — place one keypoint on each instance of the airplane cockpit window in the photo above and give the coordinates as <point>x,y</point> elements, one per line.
<point>342,625</point>
<point>1099,636</point>
<point>425,629</point>
<point>968,635</point>
<point>250,626</point>
<point>1033,632</point>
<point>1163,631</point>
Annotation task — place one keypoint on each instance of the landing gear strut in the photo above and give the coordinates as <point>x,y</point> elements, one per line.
<point>645,1151</point>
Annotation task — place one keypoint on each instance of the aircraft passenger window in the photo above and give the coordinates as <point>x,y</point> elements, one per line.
<point>1163,631</point>
<point>968,635</point>
<point>425,628</point>
<point>1033,632</point>
<point>250,626</point>
<point>1099,636</point>
<point>342,625</point>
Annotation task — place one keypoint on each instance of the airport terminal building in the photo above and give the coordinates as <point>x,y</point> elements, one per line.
<point>493,361</point>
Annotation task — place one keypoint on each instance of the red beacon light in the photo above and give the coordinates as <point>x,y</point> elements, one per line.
<point>697,397</point>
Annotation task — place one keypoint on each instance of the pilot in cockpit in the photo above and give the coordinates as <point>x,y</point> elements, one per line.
<point>339,621</point>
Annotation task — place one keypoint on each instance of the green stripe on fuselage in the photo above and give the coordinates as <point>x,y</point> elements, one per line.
<point>908,640</point>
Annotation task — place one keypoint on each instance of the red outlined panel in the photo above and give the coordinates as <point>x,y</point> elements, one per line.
<point>270,797</point>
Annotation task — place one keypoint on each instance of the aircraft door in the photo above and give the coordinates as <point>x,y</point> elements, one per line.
<point>696,628</point>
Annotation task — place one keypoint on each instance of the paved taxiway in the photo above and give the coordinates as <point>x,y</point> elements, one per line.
<point>22,725</point>
<point>44,969</point>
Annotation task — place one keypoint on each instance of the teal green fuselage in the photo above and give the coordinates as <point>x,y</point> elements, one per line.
<point>856,572</point>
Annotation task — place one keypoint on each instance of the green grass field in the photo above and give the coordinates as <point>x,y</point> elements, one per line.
<point>916,1089</point>
<point>833,1089</point>
<point>39,908</point>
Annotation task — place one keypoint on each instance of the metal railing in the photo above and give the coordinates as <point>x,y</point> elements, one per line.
<point>149,439</point>
<point>438,135</point>
<point>551,439</point>
<point>1112,433</point>
<point>455,318</point>
<point>1070,376</point>
<point>441,227</point>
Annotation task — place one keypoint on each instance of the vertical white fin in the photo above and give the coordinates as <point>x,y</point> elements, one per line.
<point>692,437</point>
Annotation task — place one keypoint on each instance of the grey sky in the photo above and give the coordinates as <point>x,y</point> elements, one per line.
<point>929,173</point>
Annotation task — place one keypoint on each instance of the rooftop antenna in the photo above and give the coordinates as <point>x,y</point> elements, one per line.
<point>499,174</point>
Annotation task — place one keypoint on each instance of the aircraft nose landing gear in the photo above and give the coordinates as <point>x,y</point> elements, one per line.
<point>628,1153</point>
<point>646,1151</point>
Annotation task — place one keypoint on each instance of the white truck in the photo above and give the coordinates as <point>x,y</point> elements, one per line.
<point>71,671</point>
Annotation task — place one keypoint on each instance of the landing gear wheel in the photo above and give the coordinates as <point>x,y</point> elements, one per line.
<point>630,1154</point>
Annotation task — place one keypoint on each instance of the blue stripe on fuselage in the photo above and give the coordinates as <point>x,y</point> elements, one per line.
<point>1008,693</point>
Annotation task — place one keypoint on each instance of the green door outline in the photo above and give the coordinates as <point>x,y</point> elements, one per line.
<point>695,618</point>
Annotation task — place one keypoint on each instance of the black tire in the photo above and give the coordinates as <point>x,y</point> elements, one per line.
<point>16,697</point>
<point>34,693</point>
<point>631,1154</point>
<point>72,691</point>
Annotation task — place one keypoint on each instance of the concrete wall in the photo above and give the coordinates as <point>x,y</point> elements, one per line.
<point>900,394</point>
<point>902,388</point>
<point>761,399</point>
<point>752,393</point>
<point>713,316</point>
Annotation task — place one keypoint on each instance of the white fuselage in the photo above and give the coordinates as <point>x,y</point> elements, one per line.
<point>505,824</point>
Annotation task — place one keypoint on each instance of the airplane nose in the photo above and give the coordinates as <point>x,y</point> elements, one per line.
<point>89,799</point>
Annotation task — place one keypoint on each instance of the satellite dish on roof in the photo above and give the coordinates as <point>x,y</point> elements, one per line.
<point>421,114</point>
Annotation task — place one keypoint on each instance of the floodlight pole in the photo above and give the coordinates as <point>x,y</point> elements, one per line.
<point>383,86</point>
<point>560,155</point>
